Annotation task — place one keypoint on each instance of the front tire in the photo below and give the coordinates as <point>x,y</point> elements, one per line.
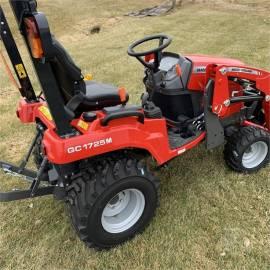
<point>112,200</point>
<point>247,150</point>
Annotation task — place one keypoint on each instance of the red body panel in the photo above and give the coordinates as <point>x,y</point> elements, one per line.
<point>197,80</point>
<point>96,140</point>
<point>27,111</point>
<point>120,134</point>
<point>124,133</point>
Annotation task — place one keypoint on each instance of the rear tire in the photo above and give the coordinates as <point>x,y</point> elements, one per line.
<point>247,150</point>
<point>112,200</point>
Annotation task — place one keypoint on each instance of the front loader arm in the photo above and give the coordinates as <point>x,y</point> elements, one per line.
<point>225,97</point>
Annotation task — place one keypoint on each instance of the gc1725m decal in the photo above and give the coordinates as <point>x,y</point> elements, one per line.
<point>88,146</point>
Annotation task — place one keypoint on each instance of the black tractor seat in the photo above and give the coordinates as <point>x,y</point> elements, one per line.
<point>97,96</point>
<point>100,95</point>
<point>103,95</point>
<point>78,95</point>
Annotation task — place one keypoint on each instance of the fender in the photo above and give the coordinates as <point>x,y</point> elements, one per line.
<point>124,133</point>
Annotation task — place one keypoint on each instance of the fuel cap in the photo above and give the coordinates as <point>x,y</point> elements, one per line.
<point>89,116</point>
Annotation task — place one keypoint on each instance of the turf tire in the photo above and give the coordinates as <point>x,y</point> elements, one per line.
<point>239,142</point>
<point>95,186</point>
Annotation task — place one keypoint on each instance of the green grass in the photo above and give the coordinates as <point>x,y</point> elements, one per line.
<point>210,217</point>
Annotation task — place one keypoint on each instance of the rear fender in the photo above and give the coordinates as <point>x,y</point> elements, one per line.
<point>126,133</point>
<point>120,134</point>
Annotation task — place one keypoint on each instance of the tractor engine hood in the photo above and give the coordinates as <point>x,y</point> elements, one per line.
<point>198,59</point>
<point>200,62</point>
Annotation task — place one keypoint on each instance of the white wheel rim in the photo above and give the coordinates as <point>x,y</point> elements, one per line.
<point>255,155</point>
<point>123,211</point>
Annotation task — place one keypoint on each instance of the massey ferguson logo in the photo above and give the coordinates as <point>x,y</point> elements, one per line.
<point>88,146</point>
<point>240,70</point>
<point>199,70</point>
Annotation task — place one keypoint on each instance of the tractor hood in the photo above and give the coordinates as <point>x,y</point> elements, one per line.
<point>199,64</point>
<point>204,60</point>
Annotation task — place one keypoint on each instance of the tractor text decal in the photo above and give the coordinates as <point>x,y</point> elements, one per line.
<point>240,70</point>
<point>88,146</point>
<point>199,69</point>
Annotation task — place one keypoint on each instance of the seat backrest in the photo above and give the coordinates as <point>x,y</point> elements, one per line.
<point>68,74</point>
<point>46,48</point>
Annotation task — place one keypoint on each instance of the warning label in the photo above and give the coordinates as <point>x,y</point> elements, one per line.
<point>21,71</point>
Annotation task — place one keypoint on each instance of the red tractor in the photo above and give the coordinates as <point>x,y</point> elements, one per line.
<point>91,144</point>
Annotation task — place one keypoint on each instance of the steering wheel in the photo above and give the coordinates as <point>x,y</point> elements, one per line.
<point>155,54</point>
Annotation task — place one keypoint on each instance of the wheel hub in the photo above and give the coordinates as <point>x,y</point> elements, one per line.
<point>255,155</point>
<point>123,211</point>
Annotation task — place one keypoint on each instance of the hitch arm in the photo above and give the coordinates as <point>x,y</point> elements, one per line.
<point>24,194</point>
<point>31,176</point>
<point>28,175</point>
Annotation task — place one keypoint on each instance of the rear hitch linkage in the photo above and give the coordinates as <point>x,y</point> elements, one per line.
<point>31,176</point>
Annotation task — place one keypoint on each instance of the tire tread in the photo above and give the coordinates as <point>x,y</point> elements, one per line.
<point>238,142</point>
<point>84,190</point>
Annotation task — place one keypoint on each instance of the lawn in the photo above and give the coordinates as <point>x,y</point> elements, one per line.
<point>210,217</point>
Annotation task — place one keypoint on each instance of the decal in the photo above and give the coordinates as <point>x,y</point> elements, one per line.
<point>198,70</point>
<point>46,112</point>
<point>21,71</point>
<point>83,125</point>
<point>88,146</point>
<point>240,70</point>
